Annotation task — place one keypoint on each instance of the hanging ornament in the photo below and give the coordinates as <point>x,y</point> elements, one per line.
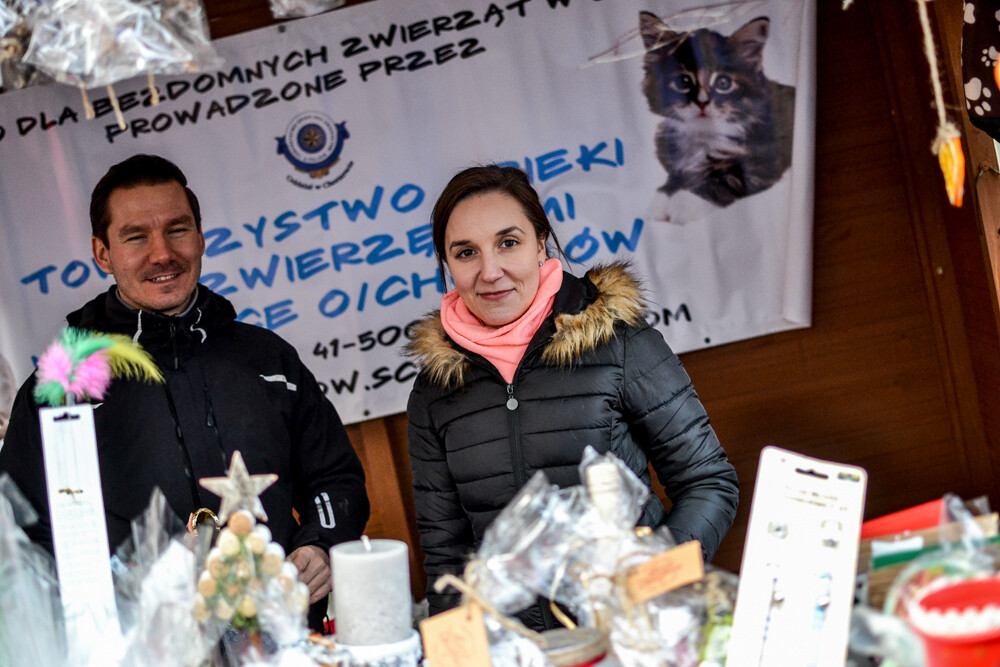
<point>947,144</point>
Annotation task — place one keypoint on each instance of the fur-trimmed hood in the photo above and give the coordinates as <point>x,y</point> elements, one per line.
<point>617,298</point>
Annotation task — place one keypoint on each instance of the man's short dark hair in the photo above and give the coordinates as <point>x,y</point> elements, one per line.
<point>137,170</point>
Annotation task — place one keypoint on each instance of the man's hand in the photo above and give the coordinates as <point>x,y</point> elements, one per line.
<point>314,570</point>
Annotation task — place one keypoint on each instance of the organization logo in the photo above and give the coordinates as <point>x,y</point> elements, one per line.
<point>313,144</point>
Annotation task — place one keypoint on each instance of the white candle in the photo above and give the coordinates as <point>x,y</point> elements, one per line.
<point>371,592</point>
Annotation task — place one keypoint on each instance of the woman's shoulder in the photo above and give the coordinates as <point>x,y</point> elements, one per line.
<point>614,300</point>
<point>433,352</point>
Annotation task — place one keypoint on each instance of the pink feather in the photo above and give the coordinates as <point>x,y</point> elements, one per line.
<point>55,366</point>
<point>92,376</point>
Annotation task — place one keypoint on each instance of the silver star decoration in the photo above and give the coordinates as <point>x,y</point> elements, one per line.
<point>239,489</point>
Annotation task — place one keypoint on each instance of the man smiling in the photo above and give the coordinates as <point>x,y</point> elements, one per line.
<point>228,386</point>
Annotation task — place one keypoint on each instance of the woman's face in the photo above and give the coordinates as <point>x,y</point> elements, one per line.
<point>493,256</point>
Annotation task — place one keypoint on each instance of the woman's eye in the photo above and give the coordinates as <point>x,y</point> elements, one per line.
<point>508,243</point>
<point>462,254</point>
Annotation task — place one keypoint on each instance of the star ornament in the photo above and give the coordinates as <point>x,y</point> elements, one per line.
<point>239,489</point>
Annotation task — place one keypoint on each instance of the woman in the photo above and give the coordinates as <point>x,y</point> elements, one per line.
<point>525,365</point>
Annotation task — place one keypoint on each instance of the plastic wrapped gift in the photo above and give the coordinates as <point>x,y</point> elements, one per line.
<point>88,43</point>
<point>286,9</point>
<point>30,613</point>
<point>578,548</point>
<point>15,34</point>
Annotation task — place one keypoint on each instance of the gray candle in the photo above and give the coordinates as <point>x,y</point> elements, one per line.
<point>371,592</point>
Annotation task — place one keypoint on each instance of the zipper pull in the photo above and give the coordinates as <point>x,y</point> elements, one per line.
<point>210,417</point>
<point>511,401</point>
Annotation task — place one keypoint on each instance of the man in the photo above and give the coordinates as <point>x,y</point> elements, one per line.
<point>228,386</point>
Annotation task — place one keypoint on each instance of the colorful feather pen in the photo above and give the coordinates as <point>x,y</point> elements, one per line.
<point>80,365</point>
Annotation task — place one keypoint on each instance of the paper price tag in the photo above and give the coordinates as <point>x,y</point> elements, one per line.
<point>664,572</point>
<point>456,638</point>
<point>80,535</point>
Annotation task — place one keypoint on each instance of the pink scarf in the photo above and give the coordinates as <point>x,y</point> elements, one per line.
<point>502,346</point>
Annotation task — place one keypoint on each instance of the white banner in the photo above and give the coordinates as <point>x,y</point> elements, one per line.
<point>384,102</point>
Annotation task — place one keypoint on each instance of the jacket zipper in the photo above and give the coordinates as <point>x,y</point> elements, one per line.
<point>520,476</point>
<point>212,424</point>
<point>173,344</point>
<point>188,466</point>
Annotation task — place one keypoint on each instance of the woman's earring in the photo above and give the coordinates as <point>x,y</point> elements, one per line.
<point>540,263</point>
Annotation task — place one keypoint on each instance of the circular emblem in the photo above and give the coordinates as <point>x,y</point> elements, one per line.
<point>310,138</point>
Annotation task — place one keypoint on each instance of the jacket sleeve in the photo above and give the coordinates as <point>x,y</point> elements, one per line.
<point>327,472</point>
<point>445,529</point>
<point>21,458</point>
<point>669,420</point>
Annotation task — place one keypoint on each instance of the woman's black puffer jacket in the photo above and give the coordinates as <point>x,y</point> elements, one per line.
<point>594,374</point>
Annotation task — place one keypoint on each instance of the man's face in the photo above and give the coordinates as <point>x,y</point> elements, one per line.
<point>154,247</point>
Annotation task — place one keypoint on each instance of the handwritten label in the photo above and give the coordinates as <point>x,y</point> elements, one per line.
<point>456,638</point>
<point>664,572</point>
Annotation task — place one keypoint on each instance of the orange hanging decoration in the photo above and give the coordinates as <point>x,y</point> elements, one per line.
<point>948,146</point>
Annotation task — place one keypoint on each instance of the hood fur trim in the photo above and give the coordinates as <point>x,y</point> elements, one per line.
<point>619,299</point>
<point>434,353</point>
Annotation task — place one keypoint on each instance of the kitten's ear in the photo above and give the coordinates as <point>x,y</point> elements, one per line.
<point>655,32</point>
<point>748,41</point>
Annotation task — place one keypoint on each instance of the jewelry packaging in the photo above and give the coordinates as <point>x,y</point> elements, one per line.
<point>796,586</point>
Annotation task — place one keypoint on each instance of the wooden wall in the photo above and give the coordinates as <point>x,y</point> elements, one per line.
<point>898,372</point>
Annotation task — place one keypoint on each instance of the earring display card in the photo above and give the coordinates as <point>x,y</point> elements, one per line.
<point>796,588</point>
<point>80,534</point>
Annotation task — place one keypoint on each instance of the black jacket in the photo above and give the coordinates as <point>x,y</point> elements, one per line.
<point>594,374</point>
<point>229,386</point>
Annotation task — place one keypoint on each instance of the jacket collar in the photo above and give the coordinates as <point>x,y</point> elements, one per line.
<point>585,313</point>
<point>106,312</point>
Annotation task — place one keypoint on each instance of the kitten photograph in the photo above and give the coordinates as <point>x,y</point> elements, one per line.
<point>727,129</point>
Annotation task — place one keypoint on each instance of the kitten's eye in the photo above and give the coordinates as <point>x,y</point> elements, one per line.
<point>724,84</point>
<point>682,83</point>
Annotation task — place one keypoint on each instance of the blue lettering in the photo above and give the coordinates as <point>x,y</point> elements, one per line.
<point>289,227</point>
<point>310,263</point>
<point>255,275</point>
<point>380,252</point>
<point>333,303</point>
<point>215,281</point>
<point>321,213</point>
<point>421,240</point>
<point>247,312</point>
<point>258,231</point>
<point>358,206</point>
<point>589,156</point>
<point>41,275</point>
<point>75,265</point>
<point>418,283</point>
<point>275,315</point>
<point>552,164</point>
<point>616,240</point>
<point>554,208</point>
<point>344,253</point>
<point>97,269</point>
<point>279,314</point>
<point>585,243</point>
<point>215,240</point>
<point>380,296</point>
<point>418,198</point>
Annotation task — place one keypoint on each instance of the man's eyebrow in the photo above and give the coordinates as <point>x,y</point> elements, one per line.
<point>133,228</point>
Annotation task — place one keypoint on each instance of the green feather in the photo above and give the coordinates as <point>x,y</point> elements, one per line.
<point>50,393</point>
